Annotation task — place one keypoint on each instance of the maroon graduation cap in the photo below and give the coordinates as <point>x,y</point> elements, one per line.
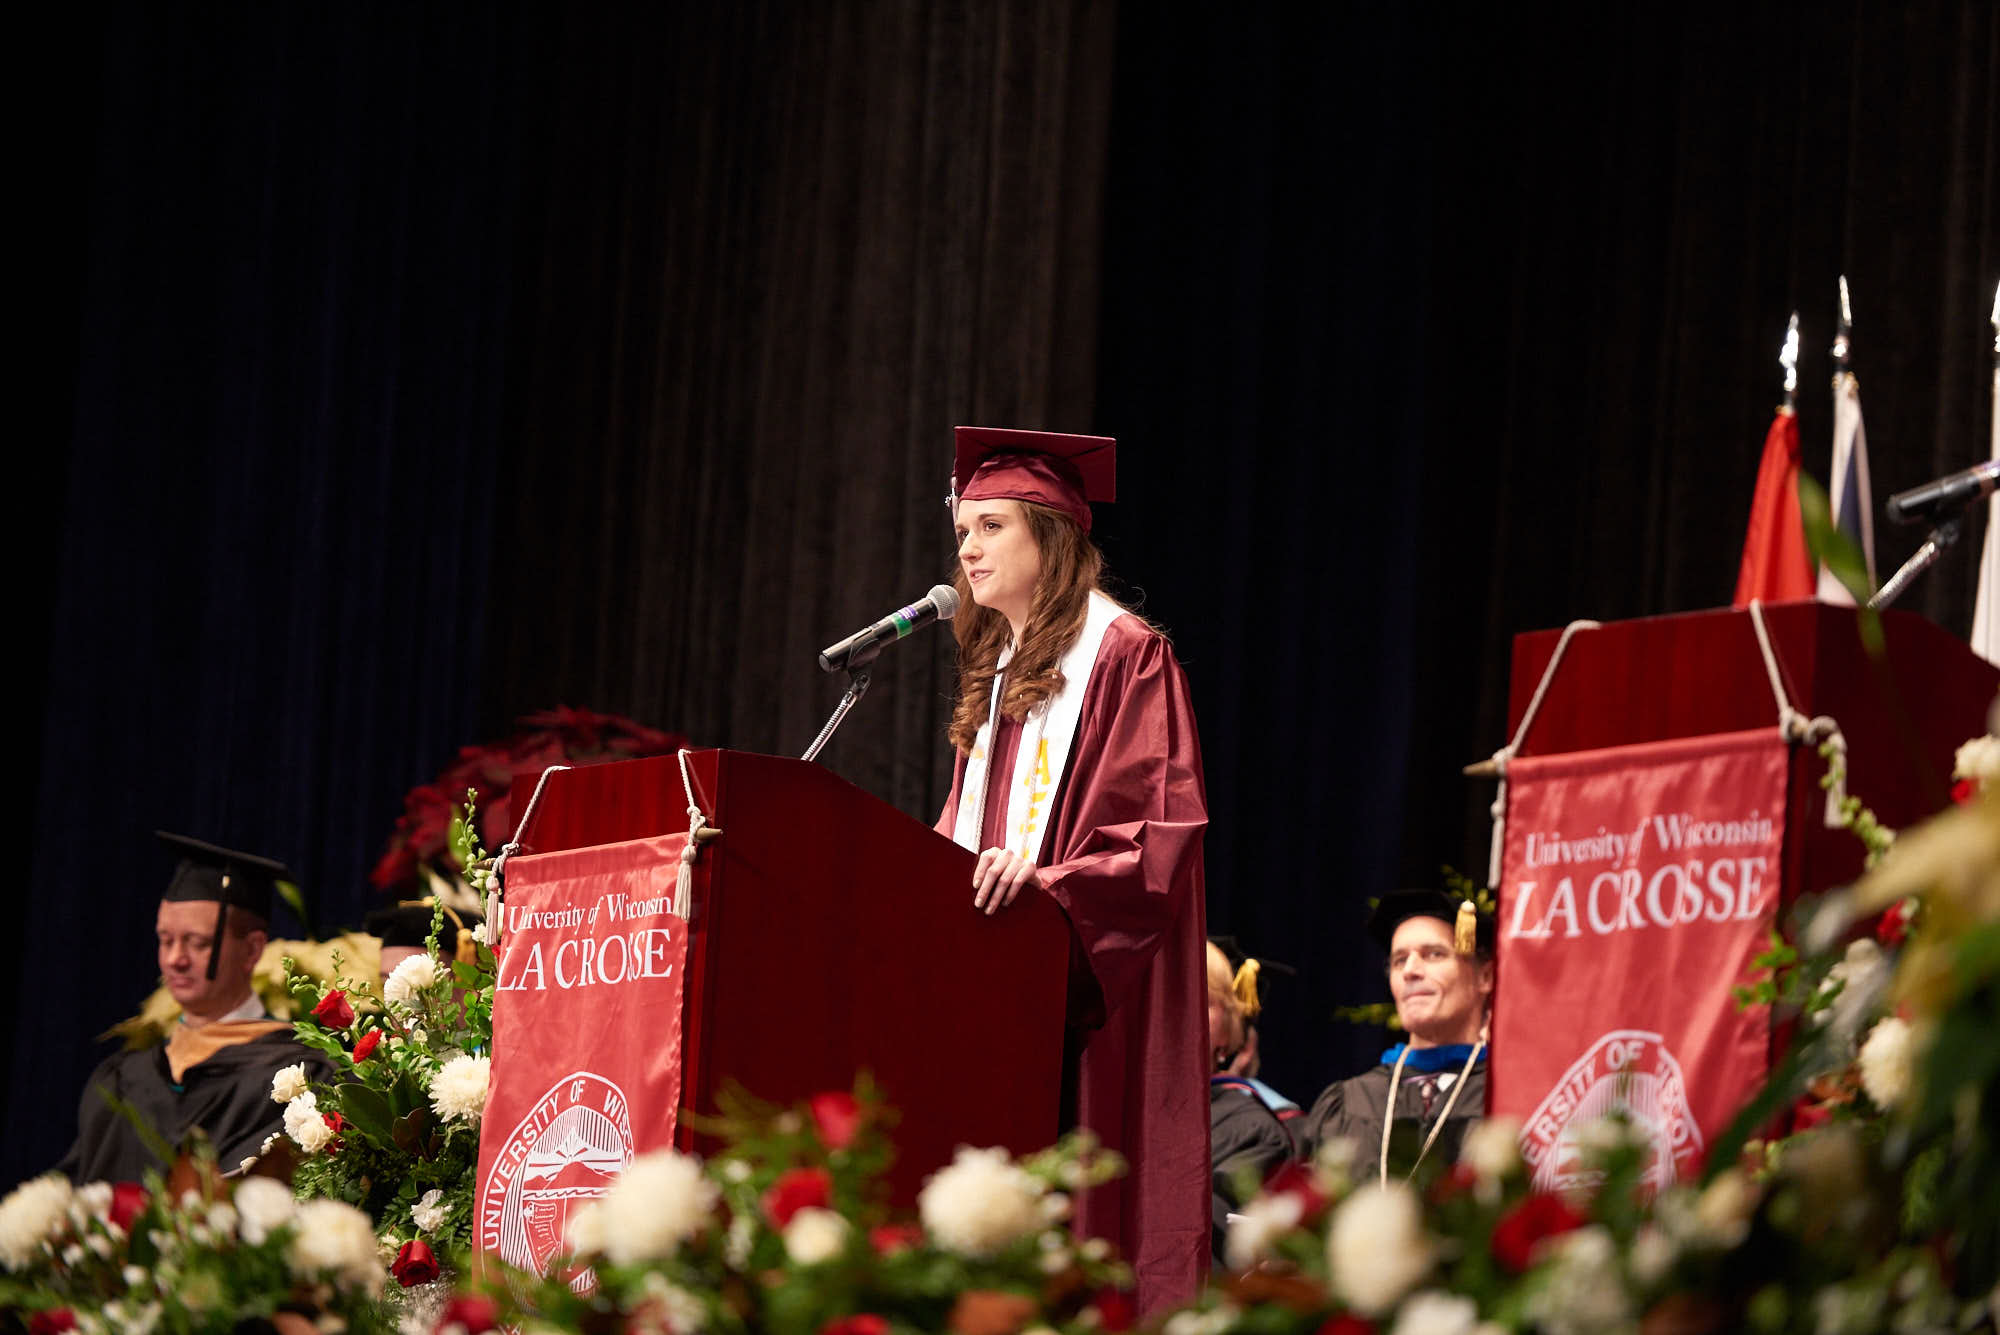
<point>1065,472</point>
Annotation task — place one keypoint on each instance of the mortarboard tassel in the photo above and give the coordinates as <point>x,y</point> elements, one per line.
<point>1245,988</point>
<point>1465,931</point>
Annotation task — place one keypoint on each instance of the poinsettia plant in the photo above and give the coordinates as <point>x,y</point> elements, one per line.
<point>422,850</point>
<point>788,1229</point>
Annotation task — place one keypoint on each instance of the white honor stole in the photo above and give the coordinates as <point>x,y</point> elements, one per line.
<point>1046,737</point>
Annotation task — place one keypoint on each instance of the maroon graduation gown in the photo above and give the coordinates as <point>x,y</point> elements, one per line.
<point>1123,857</point>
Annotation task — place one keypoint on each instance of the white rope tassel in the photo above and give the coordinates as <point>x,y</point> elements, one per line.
<point>697,822</point>
<point>1796,727</point>
<point>1506,753</point>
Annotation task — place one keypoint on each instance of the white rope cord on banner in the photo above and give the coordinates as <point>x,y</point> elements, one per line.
<point>1795,726</point>
<point>697,822</point>
<point>497,891</point>
<point>1509,751</point>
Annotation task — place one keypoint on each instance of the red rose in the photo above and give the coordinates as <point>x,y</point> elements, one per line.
<point>414,1264</point>
<point>887,1238</point>
<point>128,1202</point>
<point>1115,1310</point>
<point>333,1010</point>
<point>366,1046</point>
<point>1539,1216</point>
<point>1461,1178</point>
<point>1295,1179</point>
<point>51,1320</point>
<point>1964,791</point>
<point>1894,924</point>
<point>794,1191</point>
<point>336,1124</point>
<point>475,1312</point>
<point>1346,1324</point>
<point>861,1323</point>
<point>837,1117</point>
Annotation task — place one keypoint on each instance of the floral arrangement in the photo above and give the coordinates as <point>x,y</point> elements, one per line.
<point>787,1229</point>
<point>187,1252</point>
<point>421,849</point>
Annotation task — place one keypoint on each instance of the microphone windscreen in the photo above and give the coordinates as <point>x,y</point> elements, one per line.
<point>946,599</point>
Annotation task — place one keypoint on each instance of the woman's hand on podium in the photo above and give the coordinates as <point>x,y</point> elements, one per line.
<point>999,877</point>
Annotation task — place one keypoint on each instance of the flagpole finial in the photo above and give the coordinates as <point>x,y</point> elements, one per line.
<point>1843,339</point>
<point>1996,324</point>
<point>1788,357</point>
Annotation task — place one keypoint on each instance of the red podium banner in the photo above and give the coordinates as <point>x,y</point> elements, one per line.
<point>586,1037</point>
<point>1637,884</point>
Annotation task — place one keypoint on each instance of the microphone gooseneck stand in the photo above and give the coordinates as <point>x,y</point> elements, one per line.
<point>857,686</point>
<point>1942,537</point>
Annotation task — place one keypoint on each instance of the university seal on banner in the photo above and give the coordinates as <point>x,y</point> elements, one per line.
<point>1627,1071</point>
<point>573,1142</point>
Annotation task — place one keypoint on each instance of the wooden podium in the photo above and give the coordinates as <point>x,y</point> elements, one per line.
<point>828,934</point>
<point>1699,673</point>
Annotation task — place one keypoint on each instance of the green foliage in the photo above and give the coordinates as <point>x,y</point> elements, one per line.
<point>1839,554</point>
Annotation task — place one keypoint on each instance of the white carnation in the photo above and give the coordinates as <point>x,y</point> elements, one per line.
<point>458,1090</point>
<point>1260,1223</point>
<point>313,1135</point>
<point>1889,1060</point>
<point>660,1201</point>
<point>262,1206</point>
<point>409,978</point>
<point>1978,759</point>
<point>980,1203</point>
<point>1492,1149</point>
<point>481,935</point>
<point>1376,1250</point>
<point>427,1213</point>
<point>1434,1313</point>
<point>29,1217</point>
<point>336,1241</point>
<point>288,1083</point>
<point>815,1235</point>
<point>302,1109</point>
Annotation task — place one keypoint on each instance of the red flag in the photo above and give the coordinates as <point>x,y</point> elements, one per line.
<point>1637,883</point>
<point>1776,567</point>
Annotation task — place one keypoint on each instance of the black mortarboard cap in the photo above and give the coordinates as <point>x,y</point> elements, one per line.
<point>1398,906</point>
<point>224,875</point>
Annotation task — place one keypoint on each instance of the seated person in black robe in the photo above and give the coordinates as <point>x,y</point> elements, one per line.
<point>404,929</point>
<point>1247,1139</point>
<point>214,1071</point>
<point>1441,976</point>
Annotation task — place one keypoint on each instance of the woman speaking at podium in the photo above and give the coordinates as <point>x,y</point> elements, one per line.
<point>1078,775</point>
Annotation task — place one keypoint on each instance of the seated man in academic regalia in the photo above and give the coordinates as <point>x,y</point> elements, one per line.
<point>1247,1137</point>
<point>1441,976</point>
<point>214,1071</point>
<point>404,929</point>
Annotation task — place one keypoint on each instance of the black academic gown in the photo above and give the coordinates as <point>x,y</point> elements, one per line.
<point>1247,1143</point>
<point>228,1096</point>
<point>1355,1108</point>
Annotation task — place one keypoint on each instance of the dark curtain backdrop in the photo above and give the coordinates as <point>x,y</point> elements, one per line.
<point>431,366</point>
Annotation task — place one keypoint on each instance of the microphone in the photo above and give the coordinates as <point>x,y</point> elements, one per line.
<point>940,604</point>
<point>1946,496</point>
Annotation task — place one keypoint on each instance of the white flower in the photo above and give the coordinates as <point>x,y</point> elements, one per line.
<point>1259,1224</point>
<point>686,1314</point>
<point>133,1276</point>
<point>288,1083</point>
<point>1724,1208</point>
<point>222,1218</point>
<point>815,1235</point>
<point>1434,1313</point>
<point>72,1254</point>
<point>409,978</point>
<point>1860,976</point>
<point>262,1206</point>
<point>481,935</point>
<point>1376,1250</point>
<point>301,1110</point>
<point>458,1090</point>
<point>583,1234</point>
<point>1585,1292</point>
<point>1978,759</point>
<point>313,1135</point>
<point>99,1245</point>
<point>418,1036</point>
<point>29,1217</point>
<point>660,1201</point>
<point>427,1213</point>
<point>1889,1059</point>
<point>1333,1166</point>
<point>979,1203</point>
<point>1492,1150</point>
<point>738,1241</point>
<point>1652,1255</point>
<point>336,1241</point>
<point>92,1200</point>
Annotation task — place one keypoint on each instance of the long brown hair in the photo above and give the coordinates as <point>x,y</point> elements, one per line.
<point>1071,565</point>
